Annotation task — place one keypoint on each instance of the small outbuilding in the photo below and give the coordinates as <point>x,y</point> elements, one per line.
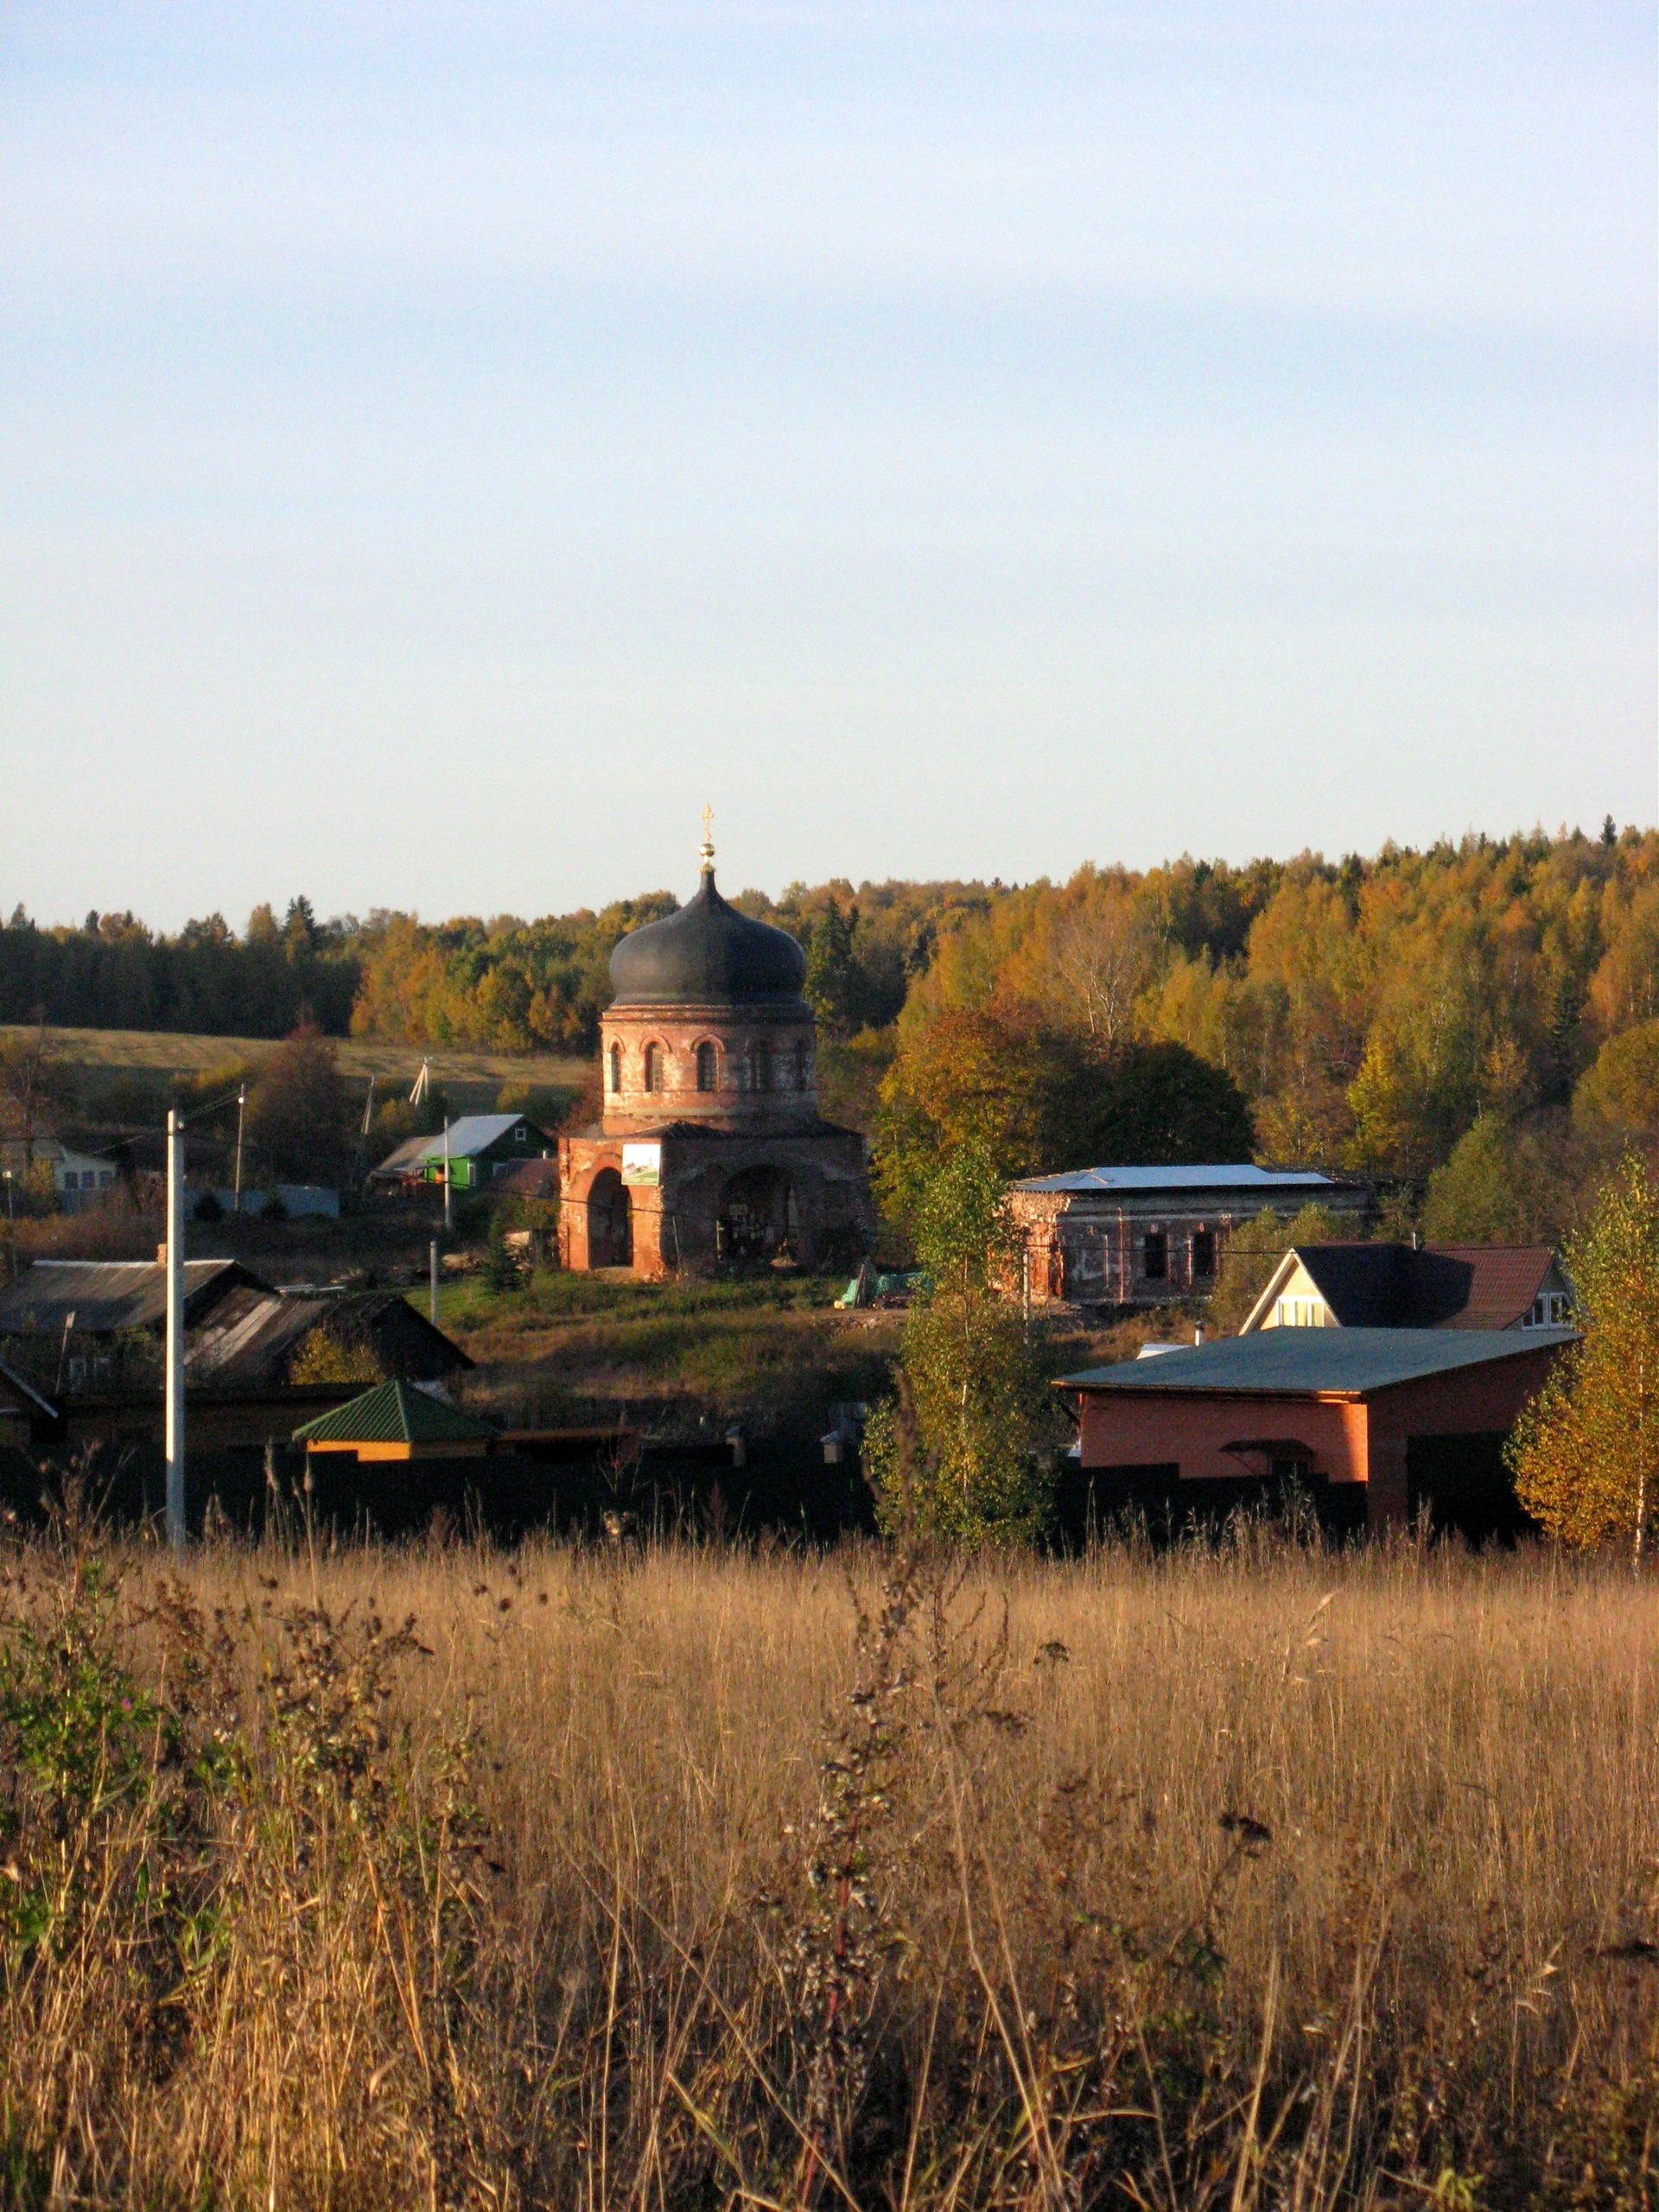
<point>1372,1420</point>
<point>397,1420</point>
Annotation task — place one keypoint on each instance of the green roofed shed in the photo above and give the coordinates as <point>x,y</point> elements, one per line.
<point>395,1421</point>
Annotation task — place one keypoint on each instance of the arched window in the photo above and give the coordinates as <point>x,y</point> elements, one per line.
<point>616,1067</point>
<point>761,1066</point>
<point>708,1068</point>
<point>654,1067</point>
<point>803,1063</point>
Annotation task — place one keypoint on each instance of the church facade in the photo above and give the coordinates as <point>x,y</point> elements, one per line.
<point>711,1154</point>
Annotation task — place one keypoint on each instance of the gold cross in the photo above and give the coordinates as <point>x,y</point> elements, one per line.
<point>708,853</point>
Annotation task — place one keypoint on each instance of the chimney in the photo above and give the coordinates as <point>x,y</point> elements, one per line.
<point>1198,1332</point>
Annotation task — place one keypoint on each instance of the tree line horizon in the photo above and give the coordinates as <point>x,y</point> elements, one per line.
<point>1372,1012</point>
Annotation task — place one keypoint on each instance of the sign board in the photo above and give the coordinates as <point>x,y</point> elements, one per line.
<point>642,1165</point>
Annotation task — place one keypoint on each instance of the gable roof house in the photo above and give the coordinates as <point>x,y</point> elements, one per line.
<point>62,1318</point>
<point>481,1147</point>
<point>1482,1287</point>
<point>110,1297</point>
<point>1368,1419</point>
<point>79,1177</point>
<point>251,1339</point>
<point>1146,1235</point>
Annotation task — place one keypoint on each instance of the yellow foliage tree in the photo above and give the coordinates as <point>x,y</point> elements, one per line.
<point>1585,1454</point>
<point>326,1357</point>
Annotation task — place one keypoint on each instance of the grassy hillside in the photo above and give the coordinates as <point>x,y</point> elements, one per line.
<point>471,1080</point>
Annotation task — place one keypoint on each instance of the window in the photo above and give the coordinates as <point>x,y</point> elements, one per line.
<point>1155,1255</point>
<point>708,1068</point>
<point>1203,1253</point>
<point>654,1067</point>
<point>616,1067</point>
<point>521,1134</point>
<point>761,1066</point>
<point>803,1065</point>
<point>1548,1311</point>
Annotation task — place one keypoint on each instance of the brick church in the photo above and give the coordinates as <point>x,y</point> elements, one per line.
<point>711,1153</point>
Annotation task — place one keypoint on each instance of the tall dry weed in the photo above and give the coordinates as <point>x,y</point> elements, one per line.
<point>1243,1876</point>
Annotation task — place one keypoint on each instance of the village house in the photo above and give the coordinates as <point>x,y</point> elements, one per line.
<point>76,1315</point>
<point>479,1148</point>
<point>1110,1237</point>
<point>1408,1286</point>
<point>79,1177</point>
<point>1371,1422</point>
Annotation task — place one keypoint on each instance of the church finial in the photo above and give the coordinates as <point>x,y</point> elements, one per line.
<point>707,854</point>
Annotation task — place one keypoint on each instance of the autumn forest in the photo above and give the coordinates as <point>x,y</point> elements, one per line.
<point>1477,1019</point>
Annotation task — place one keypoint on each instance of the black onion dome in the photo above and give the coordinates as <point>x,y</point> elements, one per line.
<point>708,953</point>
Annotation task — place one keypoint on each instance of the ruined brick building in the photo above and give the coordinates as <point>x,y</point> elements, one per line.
<point>711,1153</point>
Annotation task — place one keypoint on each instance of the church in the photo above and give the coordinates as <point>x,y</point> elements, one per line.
<point>711,1155</point>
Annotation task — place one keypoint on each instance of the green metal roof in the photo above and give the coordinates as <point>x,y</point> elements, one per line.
<point>1301,1362</point>
<point>394,1412</point>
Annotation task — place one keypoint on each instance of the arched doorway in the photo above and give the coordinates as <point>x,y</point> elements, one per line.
<point>610,1222</point>
<point>757,1217</point>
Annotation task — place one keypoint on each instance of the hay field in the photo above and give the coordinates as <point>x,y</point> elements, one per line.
<point>1236,1878</point>
<point>167,1052</point>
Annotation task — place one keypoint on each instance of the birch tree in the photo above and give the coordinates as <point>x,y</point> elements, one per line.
<point>1585,1454</point>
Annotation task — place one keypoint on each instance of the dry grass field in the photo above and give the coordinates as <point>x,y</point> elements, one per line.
<point>1245,1876</point>
<point>471,1080</point>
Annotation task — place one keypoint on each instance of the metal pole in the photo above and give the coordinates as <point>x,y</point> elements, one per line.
<point>432,1269</point>
<point>175,1330</point>
<point>241,1101</point>
<point>448,1215</point>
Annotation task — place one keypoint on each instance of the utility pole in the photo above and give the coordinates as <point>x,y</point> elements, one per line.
<point>432,1270</point>
<point>449,1210</point>
<point>241,1102</point>
<point>175,1328</point>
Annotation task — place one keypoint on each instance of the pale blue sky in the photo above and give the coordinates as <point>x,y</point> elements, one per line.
<point>441,447</point>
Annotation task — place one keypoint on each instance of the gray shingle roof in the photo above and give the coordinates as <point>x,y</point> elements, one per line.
<point>1304,1362</point>
<point>109,1295</point>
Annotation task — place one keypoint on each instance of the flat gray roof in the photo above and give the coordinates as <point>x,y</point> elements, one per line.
<point>1304,1362</point>
<point>1241,1176</point>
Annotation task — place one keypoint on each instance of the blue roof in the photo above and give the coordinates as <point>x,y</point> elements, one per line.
<point>1239,1177</point>
<point>1300,1363</point>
